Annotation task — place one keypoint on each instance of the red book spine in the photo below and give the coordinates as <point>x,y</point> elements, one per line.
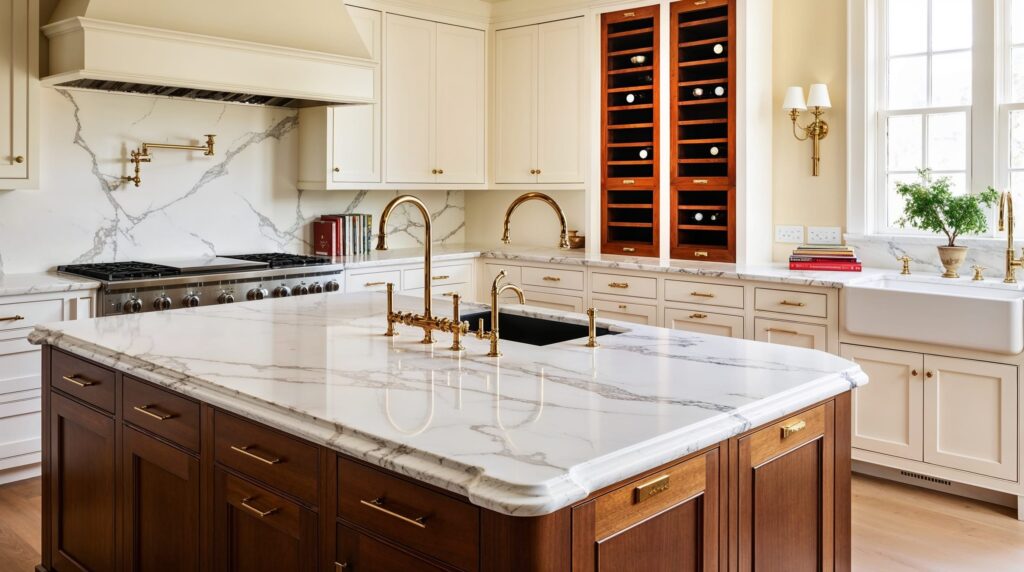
<point>827,266</point>
<point>325,237</point>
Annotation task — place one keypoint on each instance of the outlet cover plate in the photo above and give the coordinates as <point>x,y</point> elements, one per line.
<point>789,234</point>
<point>824,235</point>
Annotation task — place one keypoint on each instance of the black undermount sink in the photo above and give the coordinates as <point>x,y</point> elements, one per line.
<point>533,331</point>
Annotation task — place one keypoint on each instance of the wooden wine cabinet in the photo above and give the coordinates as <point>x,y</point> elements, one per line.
<point>629,127</point>
<point>703,119</point>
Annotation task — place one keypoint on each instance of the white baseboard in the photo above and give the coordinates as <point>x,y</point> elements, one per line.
<point>20,473</point>
<point>935,483</point>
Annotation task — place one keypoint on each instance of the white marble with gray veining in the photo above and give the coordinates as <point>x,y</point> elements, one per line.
<point>524,435</point>
<point>42,282</point>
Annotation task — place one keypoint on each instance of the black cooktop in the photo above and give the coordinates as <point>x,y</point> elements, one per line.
<point>111,271</point>
<point>279,260</point>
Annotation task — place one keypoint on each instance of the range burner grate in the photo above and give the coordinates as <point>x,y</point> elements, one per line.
<point>280,260</point>
<point>113,271</point>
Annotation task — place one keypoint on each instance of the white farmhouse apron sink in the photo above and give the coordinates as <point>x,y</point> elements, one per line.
<point>979,316</point>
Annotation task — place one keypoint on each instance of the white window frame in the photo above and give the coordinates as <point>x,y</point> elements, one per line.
<point>866,88</point>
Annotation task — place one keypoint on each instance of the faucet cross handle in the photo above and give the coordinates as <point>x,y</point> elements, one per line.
<point>979,273</point>
<point>906,265</point>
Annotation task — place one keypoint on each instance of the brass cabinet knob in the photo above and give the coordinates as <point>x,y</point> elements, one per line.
<point>337,169</point>
<point>440,171</point>
<point>19,159</point>
<point>433,171</point>
<point>928,374</point>
<point>533,171</point>
<point>538,171</point>
<point>913,373</point>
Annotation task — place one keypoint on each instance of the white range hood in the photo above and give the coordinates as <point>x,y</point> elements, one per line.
<point>264,52</point>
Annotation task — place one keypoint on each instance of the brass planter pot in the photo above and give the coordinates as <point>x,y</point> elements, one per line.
<point>952,258</point>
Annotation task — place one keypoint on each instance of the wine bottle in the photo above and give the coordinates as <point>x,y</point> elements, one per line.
<point>714,217</point>
<point>698,216</point>
<point>646,153</point>
<point>634,98</point>
<point>698,92</point>
<point>713,150</point>
<point>719,49</point>
<point>719,91</point>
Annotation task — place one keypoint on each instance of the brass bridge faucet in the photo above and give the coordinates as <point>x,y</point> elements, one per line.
<point>495,292</point>
<point>426,321</point>
<point>563,238</point>
<point>1006,223</point>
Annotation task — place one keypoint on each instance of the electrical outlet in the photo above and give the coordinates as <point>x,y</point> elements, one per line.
<point>789,234</point>
<point>824,235</point>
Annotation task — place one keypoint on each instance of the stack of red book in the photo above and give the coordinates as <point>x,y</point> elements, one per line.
<point>832,257</point>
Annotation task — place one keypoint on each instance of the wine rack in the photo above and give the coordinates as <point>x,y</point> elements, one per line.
<point>629,126</point>
<point>703,119</point>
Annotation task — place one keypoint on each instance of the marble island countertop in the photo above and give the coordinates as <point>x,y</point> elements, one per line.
<point>525,434</point>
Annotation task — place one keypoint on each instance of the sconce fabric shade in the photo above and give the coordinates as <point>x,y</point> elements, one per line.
<point>794,99</point>
<point>818,96</point>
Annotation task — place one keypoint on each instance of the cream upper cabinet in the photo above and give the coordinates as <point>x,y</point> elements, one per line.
<point>19,50</point>
<point>970,416</point>
<point>539,90</point>
<point>888,412</point>
<point>434,103</point>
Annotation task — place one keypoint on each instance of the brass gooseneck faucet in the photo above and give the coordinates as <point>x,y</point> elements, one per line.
<point>563,239</point>
<point>497,291</point>
<point>426,321</point>
<point>1006,223</point>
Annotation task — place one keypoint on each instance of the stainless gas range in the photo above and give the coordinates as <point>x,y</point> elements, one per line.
<point>133,287</point>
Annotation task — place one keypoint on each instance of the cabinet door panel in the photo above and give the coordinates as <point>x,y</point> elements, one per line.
<point>356,147</point>
<point>161,503</point>
<point>796,334</point>
<point>409,100</point>
<point>82,468</point>
<point>668,541</point>
<point>460,109</point>
<point>887,413</point>
<point>970,413</point>
<point>357,551</point>
<point>14,86</point>
<point>515,100</point>
<point>560,104</point>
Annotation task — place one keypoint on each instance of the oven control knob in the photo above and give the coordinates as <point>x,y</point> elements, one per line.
<point>162,303</point>
<point>301,290</point>
<point>190,301</point>
<point>316,288</point>
<point>256,294</point>
<point>226,298</point>
<point>282,291</point>
<point>133,306</point>
<point>332,286</point>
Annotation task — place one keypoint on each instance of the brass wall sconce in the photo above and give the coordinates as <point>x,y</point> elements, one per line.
<point>818,100</point>
<point>140,156</point>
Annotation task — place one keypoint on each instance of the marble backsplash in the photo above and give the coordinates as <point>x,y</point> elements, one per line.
<point>880,251</point>
<point>243,199</point>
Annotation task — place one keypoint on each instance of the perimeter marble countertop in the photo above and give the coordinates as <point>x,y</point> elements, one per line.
<point>41,282</point>
<point>525,434</point>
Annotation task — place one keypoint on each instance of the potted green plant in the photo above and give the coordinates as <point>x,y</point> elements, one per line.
<point>931,205</point>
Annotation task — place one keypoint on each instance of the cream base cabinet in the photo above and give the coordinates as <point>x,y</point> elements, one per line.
<point>796,334</point>
<point>19,53</point>
<point>703,322</point>
<point>970,416</point>
<point>434,102</point>
<point>539,95</point>
<point>888,412</point>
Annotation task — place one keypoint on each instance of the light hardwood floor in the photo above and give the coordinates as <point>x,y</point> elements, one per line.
<point>895,527</point>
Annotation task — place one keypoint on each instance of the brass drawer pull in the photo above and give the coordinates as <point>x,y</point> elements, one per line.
<point>246,451</point>
<point>628,14</point>
<point>440,277</point>
<point>702,294</point>
<point>794,427</point>
<point>622,306</point>
<point>628,249</point>
<point>449,294</point>
<point>788,303</point>
<point>148,410</point>
<point>651,489</point>
<point>552,279</point>
<point>698,316</point>
<point>622,285</point>
<point>79,382</point>
<point>628,182</point>
<point>372,284</point>
<point>13,318</point>
<point>700,253</point>
<point>341,565</point>
<point>378,504</point>
<point>781,331</point>
<point>700,2</point>
<point>256,511</point>
<point>700,181</point>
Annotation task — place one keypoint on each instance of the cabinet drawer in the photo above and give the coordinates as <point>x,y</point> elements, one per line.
<point>373,281</point>
<point>160,412</point>
<point>553,278</point>
<point>703,293</point>
<point>787,434</point>
<point>562,302</point>
<point>415,516</point>
<point>264,454</point>
<point>84,380</point>
<point>627,312</point>
<point>796,334</point>
<point>788,302</point>
<point>439,276</point>
<point>27,314</point>
<point>704,322</point>
<point>643,498</point>
<point>616,284</point>
<point>267,507</point>
<point>446,291</point>
<point>357,551</point>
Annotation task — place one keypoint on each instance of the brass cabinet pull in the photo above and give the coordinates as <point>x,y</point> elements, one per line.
<point>341,565</point>
<point>628,182</point>
<point>622,306</point>
<point>13,318</point>
<point>628,249</point>
<point>19,159</point>
<point>700,181</point>
<point>788,303</point>
<point>378,504</point>
<point>781,331</point>
<point>246,451</point>
<point>700,2</point>
<point>913,373</point>
<point>79,382</point>
<point>794,427</point>
<point>148,410</point>
<point>449,294</point>
<point>440,277</point>
<point>928,374</point>
<point>370,284</point>
<point>628,14</point>
<point>700,253</point>
<point>618,285</point>
<point>552,279</point>
<point>702,294</point>
<point>256,511</point>
<point>698,316</point>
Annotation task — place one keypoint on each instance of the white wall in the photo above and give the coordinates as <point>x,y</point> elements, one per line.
<point>241,200</point>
